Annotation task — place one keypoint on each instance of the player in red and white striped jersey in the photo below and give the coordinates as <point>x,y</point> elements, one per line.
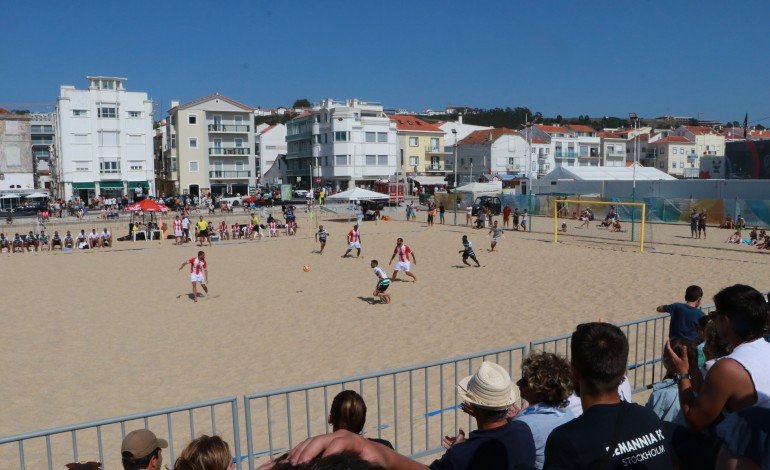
<point>402,251</point>
<point>199,273</point>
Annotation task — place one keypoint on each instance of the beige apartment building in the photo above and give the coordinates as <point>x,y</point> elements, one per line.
<point>210,147</point>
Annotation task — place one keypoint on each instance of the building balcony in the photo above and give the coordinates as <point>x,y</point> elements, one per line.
<point>558,154</point>
<point>434,167</point>
<point>110,175</point>
<point>515,168</point>
<point>223,174</point>
<point>616,155</point>
<point>42,140</point>
<point>229,151</point>
<point>230,128</point>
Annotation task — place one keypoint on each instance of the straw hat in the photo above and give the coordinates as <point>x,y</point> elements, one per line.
<point>490,387</point>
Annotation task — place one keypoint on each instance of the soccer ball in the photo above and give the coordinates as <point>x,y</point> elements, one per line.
<point>306,268</point>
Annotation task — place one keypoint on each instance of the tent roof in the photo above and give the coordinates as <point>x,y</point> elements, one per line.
<point>357,194</point>
<point>430,180</point>
<point>493,187</point>
<point>147,205</point>
<point>607,173</point>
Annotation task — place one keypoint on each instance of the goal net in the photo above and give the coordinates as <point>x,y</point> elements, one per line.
<point>615,223</point>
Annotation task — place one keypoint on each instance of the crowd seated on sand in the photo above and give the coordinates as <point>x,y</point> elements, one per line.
<point>711,411</point>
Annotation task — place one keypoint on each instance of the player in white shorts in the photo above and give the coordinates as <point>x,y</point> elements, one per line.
<point>403,251</point>
<point>178,232</point>
<point>354,241</point>
<point>199,273</point>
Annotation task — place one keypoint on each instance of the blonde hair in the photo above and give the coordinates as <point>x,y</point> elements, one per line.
<point>205,453</point>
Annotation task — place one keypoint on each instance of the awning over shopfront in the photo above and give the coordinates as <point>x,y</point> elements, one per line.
<point>84,185</point>
<point>430,180</point>
<point>111,185</point>
<point>132,184</point>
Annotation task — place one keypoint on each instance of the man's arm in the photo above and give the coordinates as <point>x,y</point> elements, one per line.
<point>391,258</point>
<point>345,441</point>
<point>722,382</point>
<point>414,258</point>
<point>662,309</point>
<point>183,265</point>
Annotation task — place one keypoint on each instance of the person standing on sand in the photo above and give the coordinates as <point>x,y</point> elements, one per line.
<point>320,236</point>
<point>468,214</point>
<point>354,241</point>
<point>506,215</point>
<point>702,223</point>
<point>382,283</point>
<point>694,223</point>
<point>496,231</point>
<point>403,251</point>
<point>467,252</point>
<point>199,273</point>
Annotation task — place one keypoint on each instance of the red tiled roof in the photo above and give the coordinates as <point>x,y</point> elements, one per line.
<point>610,135</point>
<point>700,130</point>
<point>4,111</point>
<point>581,128</point>
<point>303,115</point>
<point>552,129</point>
<point>267,129</point>
<point>411,123</point>
<point>678,139</point>
<point>213,97</point>
<point>538,141</point>
<point>486,135</point>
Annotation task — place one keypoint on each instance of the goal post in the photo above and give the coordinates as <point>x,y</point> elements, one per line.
<point>559,203</point>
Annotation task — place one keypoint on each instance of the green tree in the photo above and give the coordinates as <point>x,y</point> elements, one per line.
<point>302,103</point>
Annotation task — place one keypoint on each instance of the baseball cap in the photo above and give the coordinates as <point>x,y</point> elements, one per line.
<point>141,443</point>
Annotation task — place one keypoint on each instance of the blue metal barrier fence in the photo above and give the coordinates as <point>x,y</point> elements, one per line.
<point>428,390</point>
<point>109,433</point>
<point>275,418</point>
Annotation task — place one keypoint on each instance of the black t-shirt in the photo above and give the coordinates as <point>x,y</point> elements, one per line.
<point>582,443</point>
<point>684,321</point>
<point>508,447</point>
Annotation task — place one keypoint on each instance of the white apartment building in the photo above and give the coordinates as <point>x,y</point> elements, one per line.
<point>105,140</point>
<point>16,169</point>
<point>613,149</point>
<point>344,144</point>
<point>492,152</point>
<point>211,146</point>
<point>269,142</point>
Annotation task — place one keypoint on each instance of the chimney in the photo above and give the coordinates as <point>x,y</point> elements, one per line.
<point>459,118</point>
<point>174,103</point>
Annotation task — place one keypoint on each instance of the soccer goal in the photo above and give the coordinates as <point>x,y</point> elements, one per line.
<point>610,221</point>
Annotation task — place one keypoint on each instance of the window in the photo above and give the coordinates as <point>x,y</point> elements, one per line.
<point>193,166</point>
<point>173,164</point>
<point>342,136</point>
<point>108,112</point>
<point>108,139</point>
<point>371,160</point>
<point>371,137</point>
<point>663,151</point>
<point>192,119</point>
<point>136,165</point>
<point>433,144</point>
<point>173,141</point>
<point>356,116</point>
<point>340,159</point>
<point>414,141</point>
<point>79,112</point>
<point>414,161</point>
<point>238,143</point>
<point>109,166</point>
<point>192,142</point>
<point>382,137</point>
<point>134,114</point>
<point>673,164</point>
<point>316,138</point>
<point>326,161</point>
<point>382,160</point>
<point>82,166</point>
<point>681,150</point>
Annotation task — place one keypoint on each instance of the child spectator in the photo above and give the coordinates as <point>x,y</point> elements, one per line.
<point>664,400</point>
<point>685,316</point>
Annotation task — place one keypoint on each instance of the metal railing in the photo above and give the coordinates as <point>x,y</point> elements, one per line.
<point>50,452</point>
<point>413,407</point>
<point>230,174</point>
<point>229,128</point>
<point>229,150</point>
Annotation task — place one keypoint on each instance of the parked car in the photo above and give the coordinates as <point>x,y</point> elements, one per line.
<point>230,199</point>
<point>300,192</point>
<point>493,202</point>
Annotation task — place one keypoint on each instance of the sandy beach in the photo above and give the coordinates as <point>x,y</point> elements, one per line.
<point>95,334</point>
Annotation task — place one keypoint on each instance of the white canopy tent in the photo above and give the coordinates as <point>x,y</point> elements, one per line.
<point>481,188</point>
<point>36,195</point>
<point>357,194</point>
<point>607,173</point>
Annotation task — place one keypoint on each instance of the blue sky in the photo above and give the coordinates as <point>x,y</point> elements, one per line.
<point>557,57</point>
